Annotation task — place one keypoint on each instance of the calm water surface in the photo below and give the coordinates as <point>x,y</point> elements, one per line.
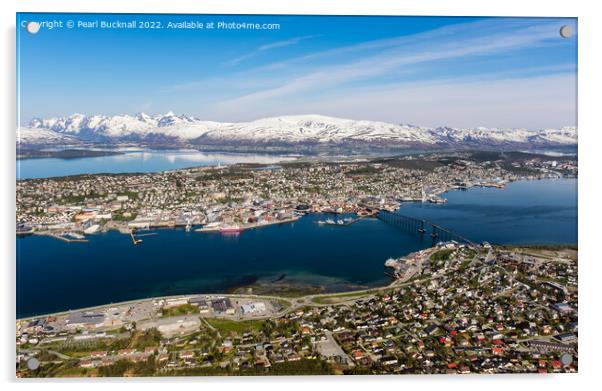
<point>525,212</point>
<point>136,161</point>
<point>53,275</point>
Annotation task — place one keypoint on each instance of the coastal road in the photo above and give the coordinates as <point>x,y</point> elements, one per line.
<point>143,310</point>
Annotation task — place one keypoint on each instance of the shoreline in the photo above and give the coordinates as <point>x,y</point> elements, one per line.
<point>283,296</point>
<point>288,299</point>
<point>229,295</point>
<point>436,195</point>
<point>250,226</point>
<point>127,231</point>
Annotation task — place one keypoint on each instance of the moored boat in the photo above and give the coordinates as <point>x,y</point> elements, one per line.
<point>233,228</point>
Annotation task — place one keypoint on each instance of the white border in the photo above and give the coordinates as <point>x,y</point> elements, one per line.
<point>590,128</point>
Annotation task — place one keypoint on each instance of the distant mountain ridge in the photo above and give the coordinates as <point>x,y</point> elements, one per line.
<point>317,130</point>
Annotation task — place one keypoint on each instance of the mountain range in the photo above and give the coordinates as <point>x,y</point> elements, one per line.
<point>169,130</point>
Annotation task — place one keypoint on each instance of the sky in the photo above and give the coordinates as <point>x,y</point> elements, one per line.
<point>428,71</point>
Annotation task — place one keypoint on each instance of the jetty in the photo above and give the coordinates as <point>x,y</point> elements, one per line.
<point>135,240</point>
<point>68,237</point>
<point>147,234</point>
<point>339,222</point>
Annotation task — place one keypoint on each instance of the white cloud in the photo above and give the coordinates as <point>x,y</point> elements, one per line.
<point>534,102</point>
<point>400,57</point>
<point>270,46</point>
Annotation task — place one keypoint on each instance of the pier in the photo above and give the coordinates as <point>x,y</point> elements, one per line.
<point>339,222</point>
<point>423,227</point>
<point>134,239</point>
<point>147,234</point>
<point>248,226</point>
<point>64,238</point>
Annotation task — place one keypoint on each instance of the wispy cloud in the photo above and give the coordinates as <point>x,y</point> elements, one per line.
<point>454,32</point>
<point>270,46</point>
<point>497,100</point>
<point>403,52</point>
<point>491,72</point>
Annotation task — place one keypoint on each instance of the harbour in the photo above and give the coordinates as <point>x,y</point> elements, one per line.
<point>326,257</point>
<point>69,237</point>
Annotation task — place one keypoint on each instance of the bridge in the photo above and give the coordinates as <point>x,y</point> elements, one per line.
<point>422,227</point>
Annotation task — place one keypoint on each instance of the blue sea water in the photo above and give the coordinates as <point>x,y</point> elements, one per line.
<point>525,212</point>
<point>136,161</point>
<point>53,275</point>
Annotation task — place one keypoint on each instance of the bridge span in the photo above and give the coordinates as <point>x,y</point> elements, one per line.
<point>422,227</point>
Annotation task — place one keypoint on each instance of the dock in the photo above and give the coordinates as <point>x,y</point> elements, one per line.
<point>67,239</point>
<point>147,234</point>
<point>250,226</point>
<point>207,229</point>
<point>340,222</point>
<point>135,240</point>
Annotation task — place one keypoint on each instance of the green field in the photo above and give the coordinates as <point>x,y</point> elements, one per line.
<point>236,326</point>
<point>183,309</point>
<point>336,298</point>
<point>442,255</point>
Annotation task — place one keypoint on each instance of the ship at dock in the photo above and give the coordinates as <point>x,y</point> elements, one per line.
<point>231,229</point>
<point>90,228</point>
<point>437,200</point>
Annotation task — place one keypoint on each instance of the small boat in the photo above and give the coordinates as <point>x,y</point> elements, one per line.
<point>437,200</point>
<point>421,230</point>
<point>233,228</point>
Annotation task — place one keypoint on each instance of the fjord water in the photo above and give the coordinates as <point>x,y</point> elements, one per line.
<point>53,275</point>
<point>525,212</point>
<point>131,161</point>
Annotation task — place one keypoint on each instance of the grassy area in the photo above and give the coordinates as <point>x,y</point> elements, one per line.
<point>465,264</point>
<point>121,217</point>
<point>144,339</point>
<point>336,298</point>
<point>365,170</point>
<point>284,303</point>
<point>138,340</point>
<point>550,247</point>
<point>470,253</point>
<point>236,326</point>
<point>183,309</point>
<point>83,348</point>
<point>294,293</point>
<point>442,255</point>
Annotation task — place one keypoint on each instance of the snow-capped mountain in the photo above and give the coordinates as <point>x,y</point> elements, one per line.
<point>99,127</point>
<point>285,131</point>
<point>29,135</point>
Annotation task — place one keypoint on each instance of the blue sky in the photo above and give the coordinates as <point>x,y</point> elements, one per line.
<point>430,71</point>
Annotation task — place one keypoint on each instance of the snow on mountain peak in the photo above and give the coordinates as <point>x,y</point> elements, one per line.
<point>291,129</point>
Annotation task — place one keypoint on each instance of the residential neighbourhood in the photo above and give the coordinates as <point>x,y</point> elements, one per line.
<point>250,196</point>
<point>465,310</point>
